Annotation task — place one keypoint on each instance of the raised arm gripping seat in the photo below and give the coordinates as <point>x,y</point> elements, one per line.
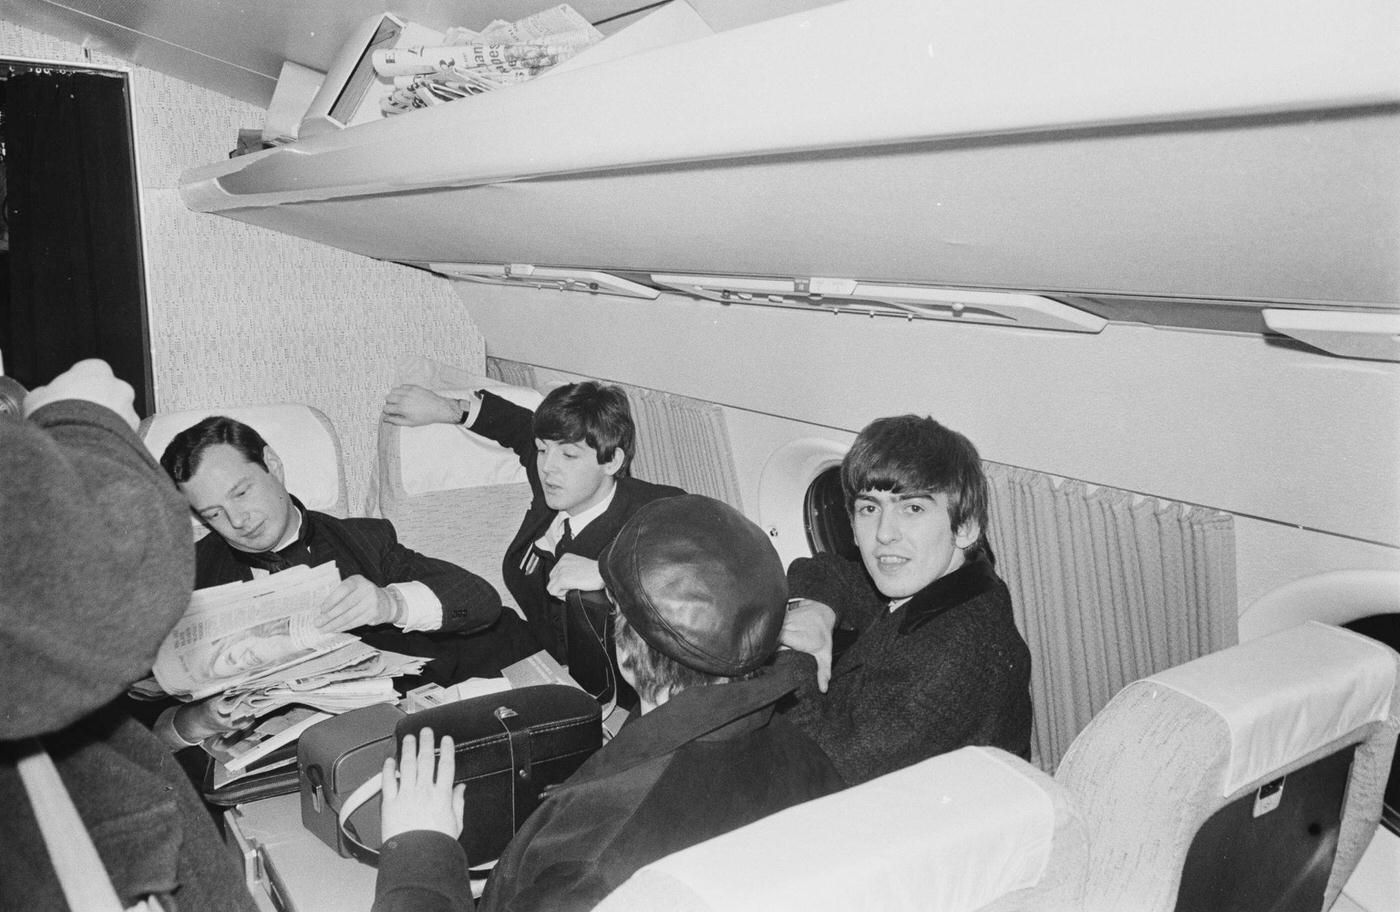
<point>302,436</point>
<point>974,829</point>
<point>453,495</point>
<point>1247,779</point>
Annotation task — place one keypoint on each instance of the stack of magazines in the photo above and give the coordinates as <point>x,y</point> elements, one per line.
<point>469,63</point>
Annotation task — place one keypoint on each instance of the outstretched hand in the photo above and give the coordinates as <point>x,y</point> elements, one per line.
<point>417,797</point>
<point>411,406</point>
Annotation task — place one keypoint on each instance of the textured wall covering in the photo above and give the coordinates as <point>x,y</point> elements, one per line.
<point>243,315</point>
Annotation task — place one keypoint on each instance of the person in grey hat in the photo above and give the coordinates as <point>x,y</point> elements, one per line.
<point>700,597</point>
<point>96,560</point>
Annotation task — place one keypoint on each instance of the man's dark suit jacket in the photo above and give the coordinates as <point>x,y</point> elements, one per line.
<point>512,427</point>
<point>370,547</point>
<point>946,669</point>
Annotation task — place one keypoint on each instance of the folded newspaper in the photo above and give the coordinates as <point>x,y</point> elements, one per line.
<point>260,638</point>
<point>469,63</point>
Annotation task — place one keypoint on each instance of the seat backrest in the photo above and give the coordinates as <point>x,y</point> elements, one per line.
<point>1248,778</point>
<point>1335,597</point>
<point>301,435</point>
<point>974,829</point>
<point>454,495</point>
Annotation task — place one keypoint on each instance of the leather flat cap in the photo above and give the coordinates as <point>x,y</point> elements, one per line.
<point>700,583</point>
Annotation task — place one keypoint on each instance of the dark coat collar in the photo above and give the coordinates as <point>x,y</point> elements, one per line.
<point>716,712</point>
<point>975,577</point>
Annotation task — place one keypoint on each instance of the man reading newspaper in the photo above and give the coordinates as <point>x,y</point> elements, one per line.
<point>391,598</point>
<point>252,648</point>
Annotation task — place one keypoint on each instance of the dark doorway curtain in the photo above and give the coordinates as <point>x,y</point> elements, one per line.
<point>75,288</point>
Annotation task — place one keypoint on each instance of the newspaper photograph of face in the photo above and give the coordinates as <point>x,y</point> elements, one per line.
<point>253,648</point>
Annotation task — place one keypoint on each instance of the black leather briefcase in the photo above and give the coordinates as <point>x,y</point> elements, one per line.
<point>510,747</point>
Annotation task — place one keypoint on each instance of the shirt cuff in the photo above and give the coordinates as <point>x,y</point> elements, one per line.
<point>168,734</point>
<point>422,609</point>
<point>473,403</point>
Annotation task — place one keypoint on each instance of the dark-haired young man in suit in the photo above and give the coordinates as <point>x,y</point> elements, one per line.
<point>393,598</point>
<point>577,450</point>
<point>936,661</point>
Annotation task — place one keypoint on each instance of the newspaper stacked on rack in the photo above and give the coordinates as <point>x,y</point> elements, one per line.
<point>469,63</point>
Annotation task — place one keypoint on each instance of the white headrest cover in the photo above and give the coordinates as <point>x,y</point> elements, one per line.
<point>951,833</point>
<point>305,445</point>
<point>440,457</point>
<point>1288,693</point>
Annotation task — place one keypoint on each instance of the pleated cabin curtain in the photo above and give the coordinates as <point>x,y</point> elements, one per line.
<point>75,286</point>
<point>1108,587</point>
<point>684,442</point>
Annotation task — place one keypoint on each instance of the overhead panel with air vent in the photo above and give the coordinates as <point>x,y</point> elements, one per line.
<point>910,302</point>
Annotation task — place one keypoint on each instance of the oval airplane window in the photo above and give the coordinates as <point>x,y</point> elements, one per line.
<point>827,522</point>
<point>789,496</point>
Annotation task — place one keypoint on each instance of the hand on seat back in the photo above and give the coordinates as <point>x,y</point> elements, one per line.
<point>411,406</point>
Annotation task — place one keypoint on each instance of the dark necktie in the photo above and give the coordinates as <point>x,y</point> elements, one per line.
<point>565,539</point>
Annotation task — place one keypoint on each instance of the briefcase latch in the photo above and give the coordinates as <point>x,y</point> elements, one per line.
<point>318,785</point>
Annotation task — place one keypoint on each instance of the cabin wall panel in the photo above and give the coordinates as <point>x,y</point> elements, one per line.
<point>240,314</point>
<point>1303,448</point>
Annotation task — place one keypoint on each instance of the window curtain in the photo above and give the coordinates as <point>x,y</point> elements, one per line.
<point>1109,587</point>
<point>684,442</point>
<point>75,286</point>
<point>512,372</point>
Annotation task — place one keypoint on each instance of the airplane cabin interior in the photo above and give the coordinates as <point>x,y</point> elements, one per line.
<point>1146,259</point>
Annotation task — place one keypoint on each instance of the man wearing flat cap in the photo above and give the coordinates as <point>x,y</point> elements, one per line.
<point>700,597</point>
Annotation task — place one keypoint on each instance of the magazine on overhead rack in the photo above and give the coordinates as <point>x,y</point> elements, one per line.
<point>469,63</point>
